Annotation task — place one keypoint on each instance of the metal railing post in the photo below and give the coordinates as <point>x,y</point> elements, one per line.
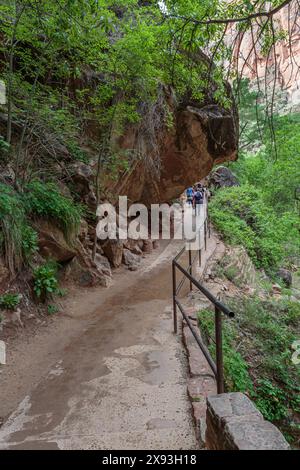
<point>190,270</point>
<point>200,257</point>
<point>205,234</point>
<point>174,297</point>
<point>208,222</point>
<point>219,350</point>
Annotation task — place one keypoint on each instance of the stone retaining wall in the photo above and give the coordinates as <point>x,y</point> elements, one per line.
<point>234,423</point>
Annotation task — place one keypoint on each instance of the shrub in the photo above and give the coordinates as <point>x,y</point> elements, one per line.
<point>18,241</point>
<point>29,241</point>
<point>52,309</point>
<point>235,367</point>
<point>231,272</point>
<point>257,354</point>
<point>9,301</point>
<point>77,152</point>
<point>45,280</point>
<point>45,200</point>
<point>243,218</point>
<point>270,400</point>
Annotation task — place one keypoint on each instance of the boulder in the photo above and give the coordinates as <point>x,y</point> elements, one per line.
<point>82,176</point>
<point>140,244</point>
<point>113,250</point>
<point>52,242</point>
<point>103,265</point>
<point>16,317</point>
<point>133,246</point>
<point>131,260</point>
<point>147,246</point>
<point>285,276</point>
<point>83,274</point>
<point>136,250</point>
<point>222,177</point>
<point>155,244</point>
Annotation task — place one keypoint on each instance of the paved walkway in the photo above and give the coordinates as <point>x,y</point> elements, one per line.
<point>121,384</point>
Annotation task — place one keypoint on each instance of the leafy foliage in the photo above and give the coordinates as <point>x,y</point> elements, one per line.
<point>45,200</point>
<point>29,242</point>
<point>243,217</point>
<point>278,179</point>
<point>235,367</point>
<point>18,241</point>
<point>100,62</point>
<point>9,301</point>
<point>257,354</point>
<point>45,280</point>
<point>52,309</point>
<point>261,214</point>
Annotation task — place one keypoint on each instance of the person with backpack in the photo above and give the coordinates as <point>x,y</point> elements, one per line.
<point>198,199</point>
<point>189,195</point>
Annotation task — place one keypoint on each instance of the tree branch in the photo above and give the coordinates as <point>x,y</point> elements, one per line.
<point>259,14</point>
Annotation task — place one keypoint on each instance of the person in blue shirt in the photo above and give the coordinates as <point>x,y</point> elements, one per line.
<point>189,195</point>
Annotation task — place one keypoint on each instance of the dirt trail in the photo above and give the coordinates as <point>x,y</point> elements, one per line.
<point>110,376</point>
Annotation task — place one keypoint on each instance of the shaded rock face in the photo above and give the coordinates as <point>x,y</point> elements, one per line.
<point>52,243</point>
<point>103,265</point>
<point>86,273</point>
<point>113,250</point>
<point>80,267</point>
<point>82,177</point>
<point>222,177</point>
<point>199,139</point>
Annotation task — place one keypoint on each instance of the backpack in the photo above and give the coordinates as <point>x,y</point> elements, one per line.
<point>198,196</point>
<point>189,192</point>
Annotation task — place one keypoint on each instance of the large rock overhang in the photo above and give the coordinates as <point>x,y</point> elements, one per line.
<point>201,137</point>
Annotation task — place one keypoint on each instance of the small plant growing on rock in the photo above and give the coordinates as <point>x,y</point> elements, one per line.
<point>9,301</point>
<point>29,241</point>
<point>45,280</point>
<point>52,309</point>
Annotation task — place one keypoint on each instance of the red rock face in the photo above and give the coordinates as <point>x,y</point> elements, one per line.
<point>282,61</point>
<point>200,138</point>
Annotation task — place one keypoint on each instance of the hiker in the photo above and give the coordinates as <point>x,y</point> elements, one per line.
<point>198,199</point>
<point>189,195</point>
<point>203,190</point>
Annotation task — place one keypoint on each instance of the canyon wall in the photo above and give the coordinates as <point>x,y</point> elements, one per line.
<point>280,63</point>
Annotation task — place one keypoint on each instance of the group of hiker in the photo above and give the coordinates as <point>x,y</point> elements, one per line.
<point>195,196</point>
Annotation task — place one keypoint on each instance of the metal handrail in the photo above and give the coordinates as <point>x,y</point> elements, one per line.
<point>205,291</point>
<point>217,368</point>
<point>198,339</point>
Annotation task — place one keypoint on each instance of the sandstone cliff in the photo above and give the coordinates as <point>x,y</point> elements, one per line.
<point>280,63</point>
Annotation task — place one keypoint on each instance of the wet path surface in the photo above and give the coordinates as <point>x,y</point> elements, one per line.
<point>121,384</point>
